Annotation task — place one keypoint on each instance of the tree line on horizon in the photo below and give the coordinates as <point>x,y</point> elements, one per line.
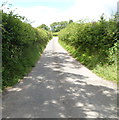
<point>55,26</point>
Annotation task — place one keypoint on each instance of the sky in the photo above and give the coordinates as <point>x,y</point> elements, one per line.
<point>48,11</point>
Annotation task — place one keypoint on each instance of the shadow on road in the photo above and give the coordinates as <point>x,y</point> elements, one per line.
<point>52,91</point>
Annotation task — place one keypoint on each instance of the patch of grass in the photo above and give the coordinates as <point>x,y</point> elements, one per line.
<point>108,72</point>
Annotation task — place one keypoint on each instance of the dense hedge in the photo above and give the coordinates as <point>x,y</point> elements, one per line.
<point>21,47</point>
<point>55,34</point>
<point>94,42</point>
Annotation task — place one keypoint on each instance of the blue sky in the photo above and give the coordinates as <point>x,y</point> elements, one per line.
<point>48,11</point>
<point>60,4</point>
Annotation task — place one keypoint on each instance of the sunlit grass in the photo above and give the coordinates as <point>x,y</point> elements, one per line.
<point>107,72</point>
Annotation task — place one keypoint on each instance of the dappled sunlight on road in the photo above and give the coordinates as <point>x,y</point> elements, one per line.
<point>60,87</point>
<point>15,89</point>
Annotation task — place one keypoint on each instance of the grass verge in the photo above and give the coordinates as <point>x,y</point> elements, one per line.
<point>107,72</point>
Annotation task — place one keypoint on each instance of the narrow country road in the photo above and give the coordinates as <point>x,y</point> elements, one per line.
<point>60,87</point>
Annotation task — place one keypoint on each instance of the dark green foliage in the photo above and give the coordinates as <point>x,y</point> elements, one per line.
<point>94,42</point>
<point>45,27</point>
<point>55,34</point>
<point>21,47</point>
<point>70,21</point>
<point>57,26</point>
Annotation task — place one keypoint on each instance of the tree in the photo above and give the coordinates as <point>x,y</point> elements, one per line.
<point>43,26</point>
<point>57,26</point>
<point>70,21</point>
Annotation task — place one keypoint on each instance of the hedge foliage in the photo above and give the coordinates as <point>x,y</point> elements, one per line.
<point>94,42</point>
<point>21,47</point>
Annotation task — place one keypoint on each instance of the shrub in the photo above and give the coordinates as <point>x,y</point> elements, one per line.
<point>55,33</point>
<point>21,47</point>
<point>93,41</point>
<point>94,44</point>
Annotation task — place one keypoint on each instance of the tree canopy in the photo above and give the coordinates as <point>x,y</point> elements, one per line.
<point>57,26</point>
<point>45,27</point>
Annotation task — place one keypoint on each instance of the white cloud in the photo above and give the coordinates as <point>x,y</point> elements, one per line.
<point>91,9</point>
<point>39,14</point>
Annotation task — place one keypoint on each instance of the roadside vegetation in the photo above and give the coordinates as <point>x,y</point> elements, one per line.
<point>56,27</point>
<point>22,46</point>
<point>94,44</point>
<point>55,34</point>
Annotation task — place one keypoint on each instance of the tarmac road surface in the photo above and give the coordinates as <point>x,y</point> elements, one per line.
<point>60,87</point>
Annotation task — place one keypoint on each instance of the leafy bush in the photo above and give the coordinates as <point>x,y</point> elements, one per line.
<point>92,43</point>
<point>21,47</point>
<point>55,33</point>
<point>91,40</point>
